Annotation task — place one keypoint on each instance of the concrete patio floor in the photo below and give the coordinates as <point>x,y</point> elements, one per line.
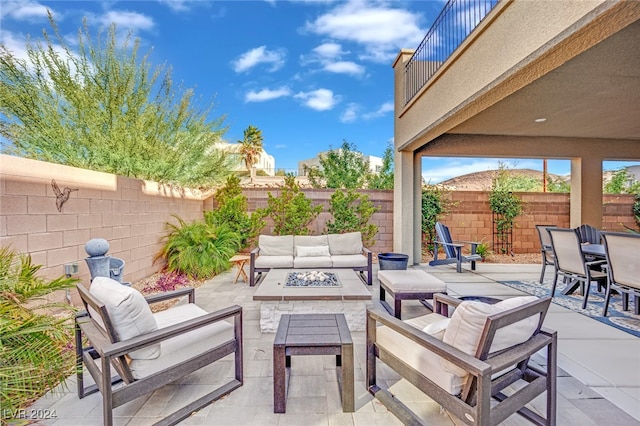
<point>598,383</point>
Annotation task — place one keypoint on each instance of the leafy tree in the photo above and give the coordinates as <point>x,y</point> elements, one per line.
<point>636,209</point>
<point>351,212</point>
<point>343,168</point>
<point>384,178</point>
<point>102,107</point>
<point>251,148</point>
<point>558,185</point>
<point>34,352</point>
<point>291,212</point>
<point>232,210</point>
<point>435,205</point>
<point>622,183</point>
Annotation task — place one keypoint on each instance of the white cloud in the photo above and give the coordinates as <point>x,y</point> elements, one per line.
<point>379,28</point>
<point>266,94</point>
<point>259,55</point>
<point>131,21</point>
<point>320,100</point>
<point>329,55</point>
<point>344,67</point>
<point>382,111</point>
<point>328,50</point>
<point>350,114</point>
<point>279,146</point>
<point>177,5</point>
<point>25,11</point>
<point>14,44</point>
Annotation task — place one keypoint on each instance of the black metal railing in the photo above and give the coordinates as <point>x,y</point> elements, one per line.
<point>456,21</point>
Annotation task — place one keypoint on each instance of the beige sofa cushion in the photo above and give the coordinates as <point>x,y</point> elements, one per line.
<point>129,313</point>
<point>312,262</point>
<point>274,262</point>
<point>280,245</point>
<point>420,359</point>
<point>184,346</point>
<point>467,323</point>
<point>312,251</point>
<point>310,241</point>
<point>349,243</point>
<point>348,261</point>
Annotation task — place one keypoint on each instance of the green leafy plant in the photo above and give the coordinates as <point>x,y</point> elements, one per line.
<point>483,250</point>
<point>383,179</point>
<point>436,204</point>
<point>198,249</point>
<point>251,148</point>
<point>103,106</point>
<point>343,168</point>
<point>621,183</point>
<point>506,205</point>
<point>352,212</point>
<point>291,212</point>
<point>232,210</point>
<point>35,346</point>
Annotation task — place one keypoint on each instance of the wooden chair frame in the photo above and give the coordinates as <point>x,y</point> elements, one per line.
<point>453,249</point>
<point>473,406</point>
<point>104,351</point>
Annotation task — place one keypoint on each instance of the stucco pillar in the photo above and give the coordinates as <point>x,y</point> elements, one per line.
<point>403,204</point>
<point>586,192</point>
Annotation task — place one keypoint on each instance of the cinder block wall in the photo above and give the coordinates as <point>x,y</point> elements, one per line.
<point>381,199</point>
<point>471,219</point>
<point>129,213</point>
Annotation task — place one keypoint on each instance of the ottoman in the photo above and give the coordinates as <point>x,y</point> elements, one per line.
<point>411,284</point>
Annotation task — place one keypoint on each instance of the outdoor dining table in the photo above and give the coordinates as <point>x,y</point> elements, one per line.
<point>595,250</point>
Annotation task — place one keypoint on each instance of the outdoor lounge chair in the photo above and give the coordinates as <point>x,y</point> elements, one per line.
<point>545,248</point>
<point>623,271</point>
<point>465,362</point>
<point>148,351</point>
<point>453,249</point>
<point>572,265</point>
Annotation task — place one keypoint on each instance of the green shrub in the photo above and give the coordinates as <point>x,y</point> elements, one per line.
<point>232,210</point>
<point>35,350</point>
<point>291,212</point>
<point>351,212</point>
<point>435,205</point>
<point>198,249</point>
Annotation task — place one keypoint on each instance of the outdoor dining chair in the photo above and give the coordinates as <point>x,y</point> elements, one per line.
<point>622,251</point>
<point>465,362</point>
<point>545,248</point>
<point>149,350</point>
<point>572,265</point>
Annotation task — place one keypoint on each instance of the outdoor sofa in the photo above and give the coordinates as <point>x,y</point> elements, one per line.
<point>310,252</point>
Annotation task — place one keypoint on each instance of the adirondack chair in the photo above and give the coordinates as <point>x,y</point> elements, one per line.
<point>453,249</point>
<point>465,362</point>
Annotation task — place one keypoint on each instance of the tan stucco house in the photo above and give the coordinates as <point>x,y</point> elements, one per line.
<point>534,79</point>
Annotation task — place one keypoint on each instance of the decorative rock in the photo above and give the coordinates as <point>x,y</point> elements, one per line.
<point>96,247</point>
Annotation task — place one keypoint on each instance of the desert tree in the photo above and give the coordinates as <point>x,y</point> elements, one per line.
<point>101,105</point>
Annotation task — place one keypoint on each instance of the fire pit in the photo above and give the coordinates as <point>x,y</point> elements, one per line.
<point>312,279</point>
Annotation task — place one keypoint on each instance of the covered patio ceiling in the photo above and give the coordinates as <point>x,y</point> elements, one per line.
<point>595,95</point>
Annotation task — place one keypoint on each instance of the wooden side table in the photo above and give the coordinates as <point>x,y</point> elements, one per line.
<point>240,260</point>
<point>313,334</point>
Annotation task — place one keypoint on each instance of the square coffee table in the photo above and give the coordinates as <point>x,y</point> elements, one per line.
<point>313,334</point>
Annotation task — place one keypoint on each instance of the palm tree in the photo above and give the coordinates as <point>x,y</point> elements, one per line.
<point>251,148</point>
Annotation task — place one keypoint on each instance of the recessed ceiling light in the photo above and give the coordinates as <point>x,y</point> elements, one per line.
<point>540,120</point>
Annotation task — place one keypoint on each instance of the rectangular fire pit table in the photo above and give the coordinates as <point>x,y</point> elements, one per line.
<point>312,334</point>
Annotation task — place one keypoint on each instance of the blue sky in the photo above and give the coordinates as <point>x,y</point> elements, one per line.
<point>309,74</point>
